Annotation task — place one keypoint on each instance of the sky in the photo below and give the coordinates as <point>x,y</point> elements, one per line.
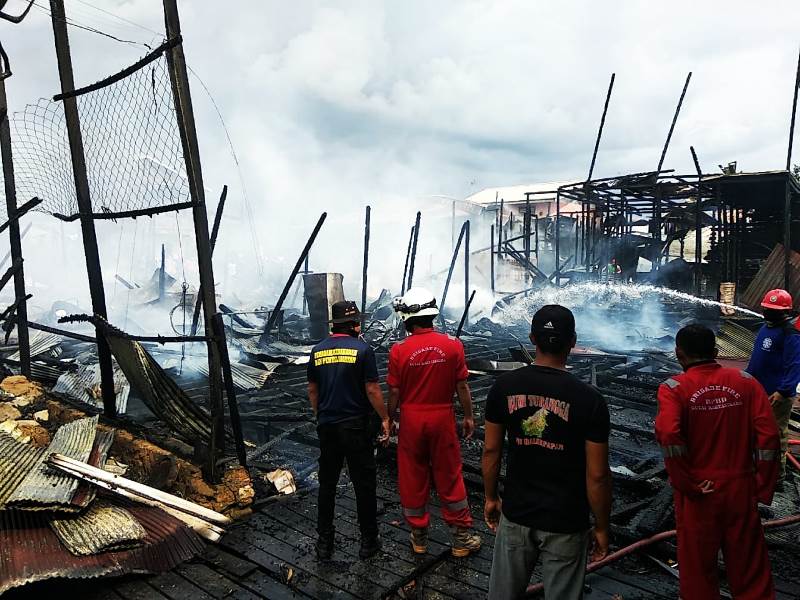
<point>334,105</point>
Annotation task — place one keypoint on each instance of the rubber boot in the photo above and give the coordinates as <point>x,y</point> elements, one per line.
<point>465,541</point>
<point>419,540</point>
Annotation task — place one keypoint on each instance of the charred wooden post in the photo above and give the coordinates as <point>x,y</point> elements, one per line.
<point>162,275</point>
<point>466,266</point>
<point>408,257</point>
<point>14,235</point>
<point>526,230</point>
<point>82,194</point>
<point>191,153</point>
<point>557,233</point>
<point>794,113</point>
<point>698,226</point>
<point>600,129</point>
<point>230,390</point>
<point>273,317</point>
<point>500,231</point>
<point>306,271</point>
<point>491,259</point>
<point>365,265</point>
<point>414,251</point>
<point>465,314</point>
<point>450,274</point>
<point>656,225</point>
<point>672,125</point>
<point>214,233</point>
<point>787,232</point>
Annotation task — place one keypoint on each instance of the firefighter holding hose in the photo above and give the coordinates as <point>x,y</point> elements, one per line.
<point>425,371</point>
<point>775,363</point>
<point>720,446</point>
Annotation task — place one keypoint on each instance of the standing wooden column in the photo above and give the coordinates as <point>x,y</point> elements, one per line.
<point>558,236</point>
<point>491,259</point>
<point>14,236</point>
<point>787,232</point>
<point>365,266</point>
<point>466,270</point>
<point>191,153</point>
<point>93,270</point>
<point>414,250</point>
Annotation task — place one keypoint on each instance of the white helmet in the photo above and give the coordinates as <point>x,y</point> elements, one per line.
<point>418,302</point>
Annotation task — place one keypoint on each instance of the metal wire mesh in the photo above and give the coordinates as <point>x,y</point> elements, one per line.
<point>132,145</point>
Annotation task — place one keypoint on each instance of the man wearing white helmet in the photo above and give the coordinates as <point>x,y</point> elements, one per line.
<point>425,371</point>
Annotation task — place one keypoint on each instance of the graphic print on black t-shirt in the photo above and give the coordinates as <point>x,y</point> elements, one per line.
<point>548,415</point>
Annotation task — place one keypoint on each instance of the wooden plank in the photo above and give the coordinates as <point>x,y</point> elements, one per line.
<point>264,586</point>
<point>175,587</point>
<point>215,584</point>
<point>281,561</point>
<point>137,589</point>
<point>236,566</point>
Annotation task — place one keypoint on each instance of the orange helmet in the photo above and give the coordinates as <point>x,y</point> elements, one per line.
<point>777,299</point>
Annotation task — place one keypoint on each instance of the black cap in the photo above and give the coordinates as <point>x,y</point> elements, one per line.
<point>345,312</point>
<point>553,321</point>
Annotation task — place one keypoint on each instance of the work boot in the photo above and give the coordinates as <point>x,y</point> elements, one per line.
<point>465,542</point>
<point>324,546</point>
<point>369,547</point>
<point>419,540</point>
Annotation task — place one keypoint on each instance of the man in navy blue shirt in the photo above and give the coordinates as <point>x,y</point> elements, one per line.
<point>343,389</point>
<point>775,363</point>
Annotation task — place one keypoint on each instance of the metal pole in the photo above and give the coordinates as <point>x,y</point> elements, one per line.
<point>366,265</point>
<point>491,259</point>
<point>277,308</point>
<point>92,256</point>
<point>466,268</point>
<point>600,129</point>
<point>214,232</point>
<point>191,153</point>
<point>14,235</point>
<point>698,226</point>
<point>672,126</point>
<point>414,251</point>
<point>408,257</point>
<point>450,273</point>
<point>794,112</point>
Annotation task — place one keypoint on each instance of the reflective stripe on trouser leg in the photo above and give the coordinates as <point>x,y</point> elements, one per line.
<point>674,451</point>
<point>766,454</point>
<point>415,512</point>
<point>456,506</point>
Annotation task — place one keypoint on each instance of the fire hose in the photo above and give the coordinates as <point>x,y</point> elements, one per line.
<point>664,535</point>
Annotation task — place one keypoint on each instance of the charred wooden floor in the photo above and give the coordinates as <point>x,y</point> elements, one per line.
<point>271,554</point>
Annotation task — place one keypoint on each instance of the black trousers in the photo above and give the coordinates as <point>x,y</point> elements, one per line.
<point>350,440</point>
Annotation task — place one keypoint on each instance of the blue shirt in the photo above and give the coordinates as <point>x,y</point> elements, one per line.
<point>341,365</point>
<point>775,361</point>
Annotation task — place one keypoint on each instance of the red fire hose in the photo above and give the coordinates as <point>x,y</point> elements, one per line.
<point>664,535</point>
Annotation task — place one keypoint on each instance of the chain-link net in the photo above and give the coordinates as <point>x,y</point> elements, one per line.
<point>132,145</point>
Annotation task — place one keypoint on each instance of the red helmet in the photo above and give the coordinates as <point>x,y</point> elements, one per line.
<point>777,299</point>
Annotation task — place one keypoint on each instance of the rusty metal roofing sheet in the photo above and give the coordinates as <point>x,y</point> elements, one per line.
<point>81,385</point>
<point>102,527</point>
<point>32,552</point>
<point>44,489</point>
<point>16,460</point>
<point>770,277</point>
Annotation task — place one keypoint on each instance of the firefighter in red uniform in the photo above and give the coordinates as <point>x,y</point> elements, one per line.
<point>720,445</point>
<point>425,371</point>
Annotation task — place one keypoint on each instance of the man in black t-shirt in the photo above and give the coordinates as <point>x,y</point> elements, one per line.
<point>557,467</point>
<point>343,389</point>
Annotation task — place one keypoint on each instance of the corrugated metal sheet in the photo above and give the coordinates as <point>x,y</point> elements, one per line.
<point>770,277</point>
<point>735,341</point>
<point>101,528</point>
<point>82,385</point>
<point>157,390</point>
<point>16,460</point>
<point>45,489</point>
<point>41,342</point>
<point>32,552</point>
<point>97,458</point>
<point>245,377</point>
